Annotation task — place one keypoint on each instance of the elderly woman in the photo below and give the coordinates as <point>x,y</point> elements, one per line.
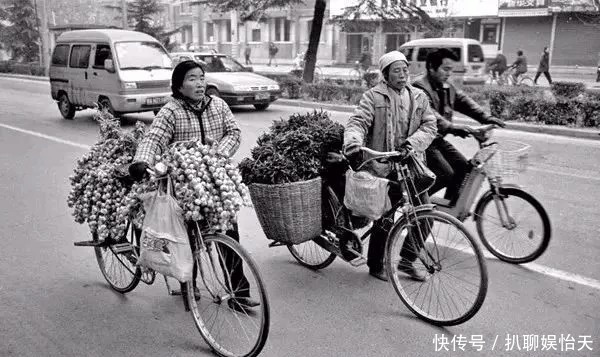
<point>192,115</point>
<point>391,116</point>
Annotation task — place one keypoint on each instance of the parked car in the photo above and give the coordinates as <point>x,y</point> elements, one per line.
<point>122,71</point>
<point>470,68</point>
<point>230,80</point>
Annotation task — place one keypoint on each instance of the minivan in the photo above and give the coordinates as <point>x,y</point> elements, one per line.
<point>122,71</point>
<point>470,68</point>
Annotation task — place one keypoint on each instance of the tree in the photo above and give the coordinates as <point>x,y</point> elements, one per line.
<point>310,58</point>
<point>19,29</point>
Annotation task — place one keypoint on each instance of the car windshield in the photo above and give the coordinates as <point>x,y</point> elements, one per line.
<point>142,55</point>
<point>214,63</point>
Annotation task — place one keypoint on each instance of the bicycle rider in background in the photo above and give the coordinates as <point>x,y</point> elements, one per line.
<point>498,66</point>
<point>449,165</point>
<point>520,66</point>
<point>393,115</point>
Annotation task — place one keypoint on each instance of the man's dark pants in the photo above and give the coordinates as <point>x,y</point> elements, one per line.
<point>449,166</point>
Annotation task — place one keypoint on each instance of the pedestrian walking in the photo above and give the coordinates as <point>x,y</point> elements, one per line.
<point>544,67</point>
<point>272,53</point>
<point>247,53</point>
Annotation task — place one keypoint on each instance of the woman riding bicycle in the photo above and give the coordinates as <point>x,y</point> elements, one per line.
<point>449,165</point>
<point>192,115</point>
<point>391,116</point>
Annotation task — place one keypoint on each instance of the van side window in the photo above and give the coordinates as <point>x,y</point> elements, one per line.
<point>475,53</point>
<point>60,56</point>
<point>80,56</point>
<point>408,52</point>
<point>425,51</point>
<point>102,53</point>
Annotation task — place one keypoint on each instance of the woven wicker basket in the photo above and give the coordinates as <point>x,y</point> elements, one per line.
<point>289,213</point>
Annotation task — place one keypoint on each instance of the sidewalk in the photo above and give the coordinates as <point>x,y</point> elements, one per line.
<point>582,133</point>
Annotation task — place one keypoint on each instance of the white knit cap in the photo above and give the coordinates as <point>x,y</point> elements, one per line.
<point>390,58</point>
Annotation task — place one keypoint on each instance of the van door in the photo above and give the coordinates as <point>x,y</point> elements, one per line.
<point>102,82</point>
<point>78,73</point>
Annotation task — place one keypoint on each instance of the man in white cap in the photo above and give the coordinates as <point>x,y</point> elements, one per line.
<point>391,116</point>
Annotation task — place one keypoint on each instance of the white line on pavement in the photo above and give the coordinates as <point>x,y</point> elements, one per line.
<point>554,172</point>
<point>47,137</point>
<point>552,272</point>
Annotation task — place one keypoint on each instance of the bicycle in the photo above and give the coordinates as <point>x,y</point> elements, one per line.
<point>359,71</point>
<point>494,161</point>
<point>298,68</point>
<point>444,248</point>
<point>210,296</point>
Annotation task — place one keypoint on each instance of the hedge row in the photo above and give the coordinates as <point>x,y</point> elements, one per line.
<point>32,68</point>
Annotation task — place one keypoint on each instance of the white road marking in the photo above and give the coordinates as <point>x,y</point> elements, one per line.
<point>47,137</point>
<point>562,173</point>
<point>548,271</point>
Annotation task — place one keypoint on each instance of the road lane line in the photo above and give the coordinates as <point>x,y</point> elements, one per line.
<point>47,137</point>
<point>554,172</point>
<point>541,269</point>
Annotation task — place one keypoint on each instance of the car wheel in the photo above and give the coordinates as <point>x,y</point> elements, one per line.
<point>104,104</point>
<point>213,92</point>
<point>262,106</point>
<point>66,108</point>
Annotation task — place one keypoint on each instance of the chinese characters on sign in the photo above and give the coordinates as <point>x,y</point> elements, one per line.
<point>512,342</point>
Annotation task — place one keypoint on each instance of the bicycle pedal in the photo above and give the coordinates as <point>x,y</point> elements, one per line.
<point>358,261</point>
<point>122,247</point>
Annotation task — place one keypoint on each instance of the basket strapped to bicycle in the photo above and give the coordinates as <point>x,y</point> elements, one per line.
<point>507,158</point>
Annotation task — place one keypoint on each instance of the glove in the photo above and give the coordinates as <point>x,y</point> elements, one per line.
<point>496,121</point>
<point>137,170</point>
<point>351,149</point>
<point>460,130</point>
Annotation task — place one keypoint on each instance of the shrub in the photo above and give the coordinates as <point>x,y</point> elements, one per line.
<point>371,79</point>
<point>568,89</point>
<point>329,92</point>
<point>292,150</point>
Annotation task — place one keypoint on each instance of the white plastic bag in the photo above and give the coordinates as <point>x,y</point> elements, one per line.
<point>366,195</point>
<point>165,245</point>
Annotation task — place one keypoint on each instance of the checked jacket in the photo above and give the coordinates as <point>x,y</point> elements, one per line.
<point>178,121</point>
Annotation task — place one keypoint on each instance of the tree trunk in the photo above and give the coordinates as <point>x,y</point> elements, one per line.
<point>313,44</point>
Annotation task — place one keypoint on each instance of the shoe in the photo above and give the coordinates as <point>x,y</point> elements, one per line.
<point>242,304</point>
<point>380,274</point>
<point>407,268</point>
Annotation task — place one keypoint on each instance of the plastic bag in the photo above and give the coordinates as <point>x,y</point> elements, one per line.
<point>423,178</point>
<point>366,195</point>
<point>165,245</point>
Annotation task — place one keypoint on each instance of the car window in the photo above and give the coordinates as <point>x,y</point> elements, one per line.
<point>142,55</point>
<point>475,53</point>
<point>408,52</point>
<point>60,56</point>
<point>425,51</point>
<point>80,56</point>
<point>219,63</point>
<point>102,53</point>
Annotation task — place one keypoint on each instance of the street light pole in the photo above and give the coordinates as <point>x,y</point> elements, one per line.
<point>124,14</point>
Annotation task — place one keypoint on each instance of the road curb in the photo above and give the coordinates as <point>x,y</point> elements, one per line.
<point>532,128</point>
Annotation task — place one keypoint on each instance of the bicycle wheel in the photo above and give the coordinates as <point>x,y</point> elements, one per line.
<point>309,253</point>
<point>516,228</point>
<point>229,326</point>
<point>118,261</point>
<point>526,81</point>
<point>456,276</point>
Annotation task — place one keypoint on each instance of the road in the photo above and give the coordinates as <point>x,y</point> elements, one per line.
<point>54,301</point>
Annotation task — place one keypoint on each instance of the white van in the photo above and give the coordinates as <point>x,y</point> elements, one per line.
<point>123,71</point>
<point>470,68</point>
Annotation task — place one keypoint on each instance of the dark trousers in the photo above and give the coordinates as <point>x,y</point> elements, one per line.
<point>232,267</point>
<point>449,166</point>
<point>546,74</point>
<point>379,235</point>
<point>248,59</point>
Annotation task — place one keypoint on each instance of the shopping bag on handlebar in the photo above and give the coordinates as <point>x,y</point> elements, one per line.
<point>423,178</point>
<point>366,195</point>
<point>165,246</point>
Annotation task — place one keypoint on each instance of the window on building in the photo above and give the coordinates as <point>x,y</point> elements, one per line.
<point>228,30</point>
<point>433,2</point>
<point>256,35</point>
<point>423,2</point>
<point>102,53</point>
<point>489,33</point>
<point>60,55</point>
<point>80,56</point>
<point>282,29</point>
<point>210,32</point>
<point>185,8</point>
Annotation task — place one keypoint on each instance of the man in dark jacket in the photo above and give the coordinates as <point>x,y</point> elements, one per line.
<point>499,65</point>
<point>520,65</point>
<point>449,165</point>
<point>544,67</point>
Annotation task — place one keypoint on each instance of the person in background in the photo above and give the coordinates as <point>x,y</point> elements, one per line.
<point>247,52</point>
<point>544,67</point>
<point>446,162</point>
<point>393,115</point>
<point>193,115</point>
<point>520,65</point>
<point>272,53</point>
<point>499,65</point>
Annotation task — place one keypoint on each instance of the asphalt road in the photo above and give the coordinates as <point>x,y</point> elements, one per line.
<point>54,301</point>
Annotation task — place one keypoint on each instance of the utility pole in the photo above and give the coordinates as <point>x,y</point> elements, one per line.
<point>124,14</point>
<point>43,32</point>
